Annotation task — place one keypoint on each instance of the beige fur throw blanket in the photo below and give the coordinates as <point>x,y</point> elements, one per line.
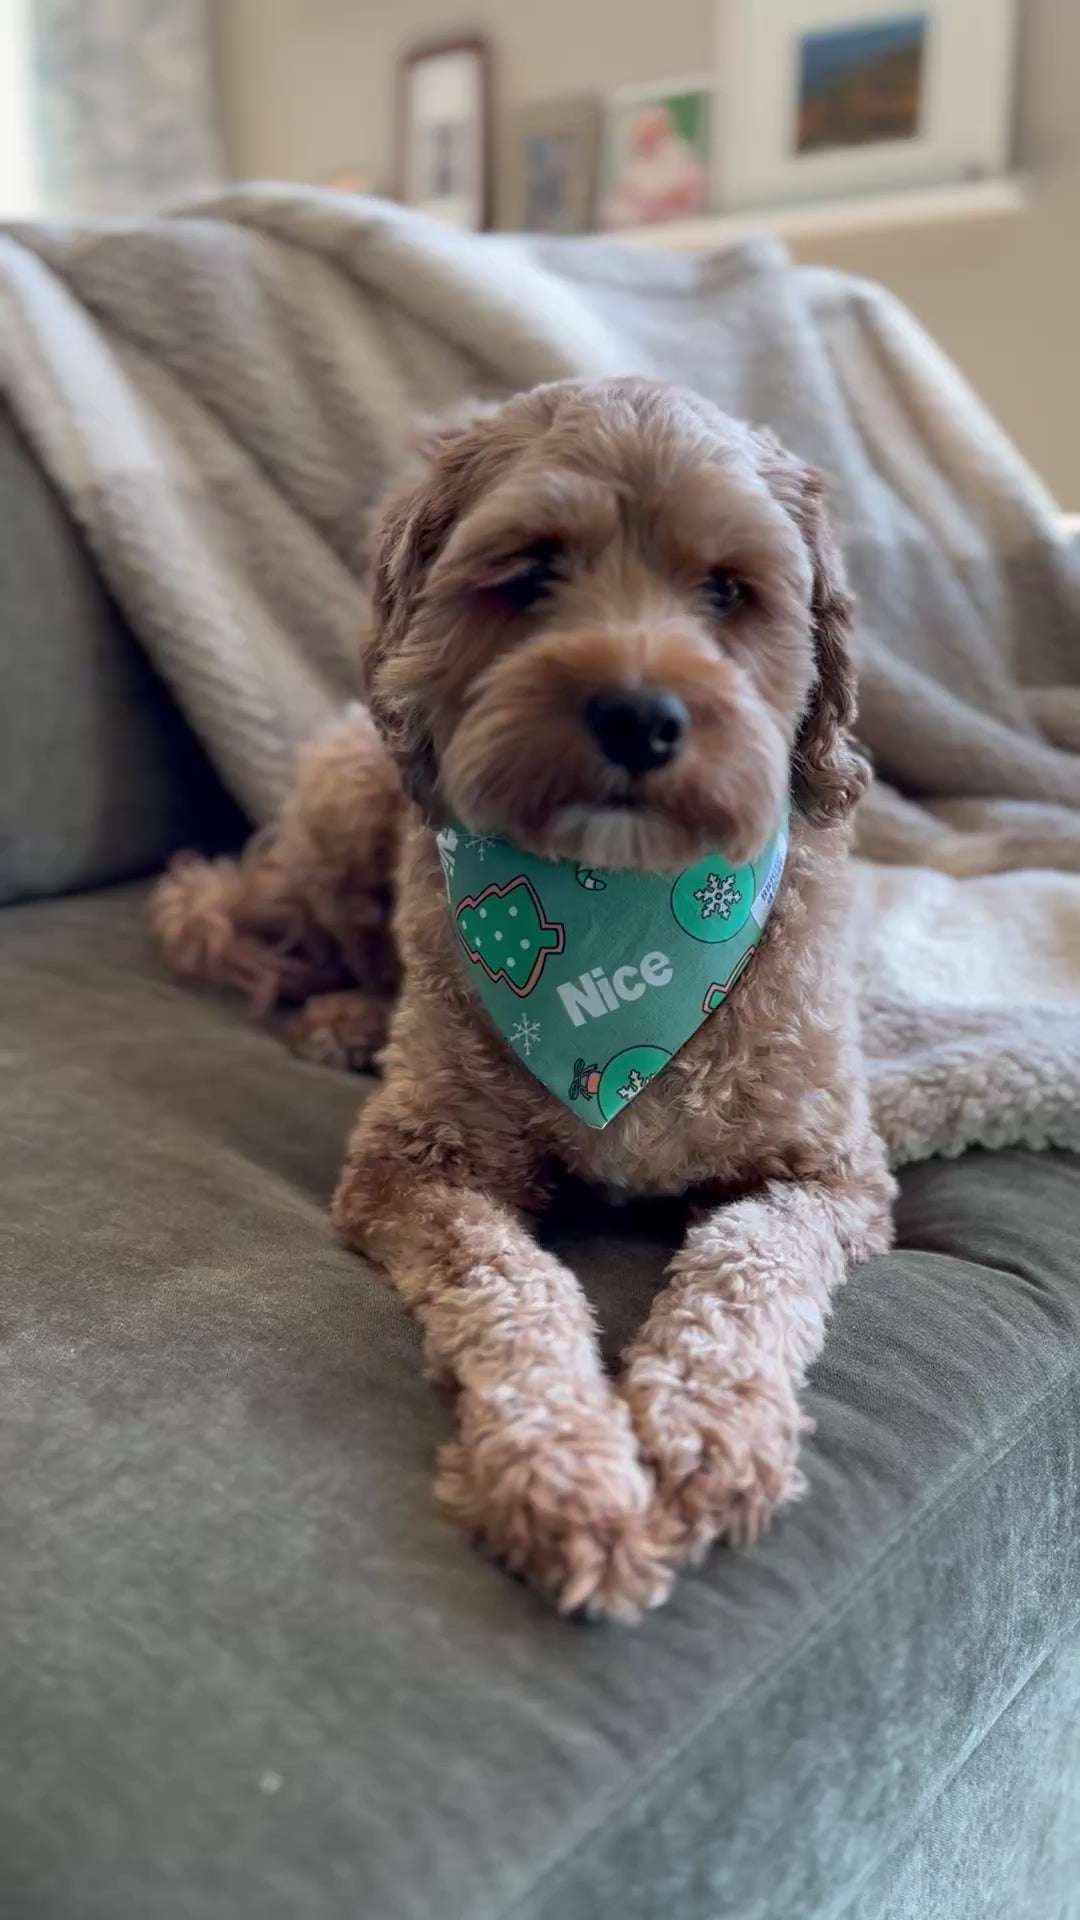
<point>220,395</point>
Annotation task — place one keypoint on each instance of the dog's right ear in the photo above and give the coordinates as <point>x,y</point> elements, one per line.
<point>411,532</point>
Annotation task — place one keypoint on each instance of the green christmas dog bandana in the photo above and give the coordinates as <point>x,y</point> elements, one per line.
<point>595,979</point>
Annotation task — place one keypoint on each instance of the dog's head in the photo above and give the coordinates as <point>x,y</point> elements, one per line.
<point>610,625</point>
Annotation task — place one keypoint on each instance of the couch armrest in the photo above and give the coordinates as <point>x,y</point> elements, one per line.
<point>100,779</point>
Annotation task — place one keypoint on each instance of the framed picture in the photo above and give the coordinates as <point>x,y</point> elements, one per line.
<point>656,161</point>
<point>443,131</point>
<point>549,171</point>
<point>834,97</point>
<point>345,181</point>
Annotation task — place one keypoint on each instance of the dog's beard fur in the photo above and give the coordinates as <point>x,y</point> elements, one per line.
<point>521,762</point>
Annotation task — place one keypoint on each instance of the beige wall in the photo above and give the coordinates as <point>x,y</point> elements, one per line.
<point>309,86</point>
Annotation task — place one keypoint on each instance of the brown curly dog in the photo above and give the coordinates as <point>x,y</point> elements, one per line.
<point>620,540</point>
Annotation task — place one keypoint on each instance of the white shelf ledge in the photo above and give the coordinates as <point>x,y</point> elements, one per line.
<point>820,219</point>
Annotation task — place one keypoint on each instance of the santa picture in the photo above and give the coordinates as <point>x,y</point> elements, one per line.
<point>657,154</point>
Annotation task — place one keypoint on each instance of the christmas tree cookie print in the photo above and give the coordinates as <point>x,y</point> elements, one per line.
<point>711,901</point>
<point>505,931</point>
<point>627,1075</point>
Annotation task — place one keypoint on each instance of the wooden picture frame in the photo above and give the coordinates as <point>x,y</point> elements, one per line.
<point>548,173</point>
<point>444,130</point>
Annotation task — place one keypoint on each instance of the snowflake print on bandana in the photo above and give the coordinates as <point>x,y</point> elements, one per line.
<point>711,900</point>
<point>718,895</point>
<point>525,1035</point>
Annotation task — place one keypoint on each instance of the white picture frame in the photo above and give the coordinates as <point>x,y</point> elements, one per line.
<point>812,114</point>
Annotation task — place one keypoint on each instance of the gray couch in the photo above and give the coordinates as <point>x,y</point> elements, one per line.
<point>247,1673</point>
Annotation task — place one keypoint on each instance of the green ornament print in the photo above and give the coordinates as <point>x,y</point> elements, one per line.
<point>712,900</point>
<point>628,1075</point>
<point>595,979</point>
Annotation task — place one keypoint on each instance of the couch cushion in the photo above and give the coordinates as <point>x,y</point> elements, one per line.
<point>249,1670</point>
<point>99,776</point>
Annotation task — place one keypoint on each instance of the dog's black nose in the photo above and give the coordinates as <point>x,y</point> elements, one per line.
<point>638,728</point>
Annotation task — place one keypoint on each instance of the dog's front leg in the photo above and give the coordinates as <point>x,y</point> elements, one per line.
<point>712,1381</point>
<point>545,1471</point>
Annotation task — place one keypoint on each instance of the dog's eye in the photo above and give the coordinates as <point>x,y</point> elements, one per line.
<point>529,577</point>
<point>725,594</point>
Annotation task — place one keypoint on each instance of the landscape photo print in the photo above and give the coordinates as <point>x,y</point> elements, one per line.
<point>861,83</point>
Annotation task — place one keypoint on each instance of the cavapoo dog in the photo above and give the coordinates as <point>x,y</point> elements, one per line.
<point>577,876</point>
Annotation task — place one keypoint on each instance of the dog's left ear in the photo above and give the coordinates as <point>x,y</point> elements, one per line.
<point>411,531</point>
<point>829,773</point>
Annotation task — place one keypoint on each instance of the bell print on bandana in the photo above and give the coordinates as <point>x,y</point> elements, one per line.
<point>504,931</point>
<point>618,969</point>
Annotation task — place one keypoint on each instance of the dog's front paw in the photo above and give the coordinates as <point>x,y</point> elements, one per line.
<point>343,1030</point>
<point>557,1493</point>
<point>723,1449</point>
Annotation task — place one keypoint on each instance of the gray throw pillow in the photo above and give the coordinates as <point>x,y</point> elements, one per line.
<point>100,778</point>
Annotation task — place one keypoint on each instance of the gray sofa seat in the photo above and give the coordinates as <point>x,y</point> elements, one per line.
<point>248,1671</point>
